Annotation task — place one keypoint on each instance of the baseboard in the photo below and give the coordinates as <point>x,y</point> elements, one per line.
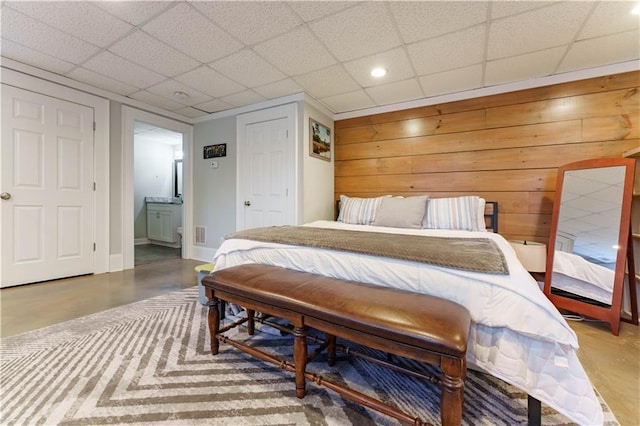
<point>141,240</point>
<point>204,254</point>
<point>116,262</point>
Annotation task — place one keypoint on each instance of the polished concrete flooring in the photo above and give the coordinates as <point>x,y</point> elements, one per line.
<point>612,363</point>
<point>146,253</point>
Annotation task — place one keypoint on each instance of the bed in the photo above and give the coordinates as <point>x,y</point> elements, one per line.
<point>517,335</point>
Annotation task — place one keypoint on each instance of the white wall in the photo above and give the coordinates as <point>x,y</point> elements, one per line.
<point>317,174</point>
<point>214,189</point>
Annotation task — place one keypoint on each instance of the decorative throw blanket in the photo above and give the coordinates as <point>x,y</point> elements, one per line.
<point>471,254</point>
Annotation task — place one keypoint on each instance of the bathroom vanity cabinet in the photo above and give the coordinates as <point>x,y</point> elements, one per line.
<point>163,220</point>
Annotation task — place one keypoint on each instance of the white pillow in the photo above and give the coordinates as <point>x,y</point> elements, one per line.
<point>400,212</point>
<point>358,211</point>
<point>453,213</point>
<point>482,226</point>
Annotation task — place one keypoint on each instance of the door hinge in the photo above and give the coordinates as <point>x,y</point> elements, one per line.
<point>287,133</point>
<point>94,246</point>
<point>94,126</point>
<point>94,186</point>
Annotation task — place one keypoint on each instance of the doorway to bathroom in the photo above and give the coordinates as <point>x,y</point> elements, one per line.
<point>157,193</point>
<point>162,210</point>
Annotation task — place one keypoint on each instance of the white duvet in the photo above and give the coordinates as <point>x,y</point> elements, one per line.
<point>517,335</point>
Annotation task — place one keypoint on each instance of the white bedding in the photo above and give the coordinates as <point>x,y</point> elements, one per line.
<point>517,335</point>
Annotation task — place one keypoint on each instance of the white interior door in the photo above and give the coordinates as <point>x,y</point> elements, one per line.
<point>47,208</point>
<point>267,168</point>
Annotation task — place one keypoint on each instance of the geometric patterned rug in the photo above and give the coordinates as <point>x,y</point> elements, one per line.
<point>149,362</point>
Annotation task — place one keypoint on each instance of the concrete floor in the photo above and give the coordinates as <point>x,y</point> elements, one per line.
<point>612,363</point>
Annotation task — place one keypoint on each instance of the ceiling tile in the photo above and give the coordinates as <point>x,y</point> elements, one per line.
<point>134,12</point>
<point>280,88</point>
<point>80,19</point>
<point>349,101</point>
<point>168,87</point>
<point>452,81</point>
<point>214,105</point>
<point>536,30</point>
<point>297,52</point>
<point>43,38</point>
<point>400,91</point>
<point>247,97</point>
<point>209,81</point>
<point>147,51</point>
<point>395,61</point>
<point>421,20</point>
<point>155,100</point>
<point>189,31</point>
<point>250,22</point>
<point>247,68</point>
<point>501,9</point>
<point>451,51</point>
<point>523,67</point>
<point>327,82</point>
<point>367,27</point>
<point>601,51</point>
<point>609,17</point>
<point>34,58</point>
<point>190,112</point>
<point>312,10</point>
<point>106,63</point>
<point>98,80</point>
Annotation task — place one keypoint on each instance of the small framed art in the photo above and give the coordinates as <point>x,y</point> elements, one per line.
<point>213,151</point>
<point>319,140</point>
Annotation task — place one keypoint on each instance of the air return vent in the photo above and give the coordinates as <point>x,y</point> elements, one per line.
<point>201,235</point>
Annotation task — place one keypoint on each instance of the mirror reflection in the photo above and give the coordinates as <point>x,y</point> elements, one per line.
<point>586,241</point>
<point>177,178</point>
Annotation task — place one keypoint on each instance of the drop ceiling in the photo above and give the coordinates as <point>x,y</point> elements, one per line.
<point>225,55</point>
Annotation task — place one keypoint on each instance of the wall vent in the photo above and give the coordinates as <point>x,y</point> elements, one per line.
<point>201,235</point>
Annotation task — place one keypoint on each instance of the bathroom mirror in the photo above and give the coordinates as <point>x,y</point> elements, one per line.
<point>590,233</point>
<point>177,178</point>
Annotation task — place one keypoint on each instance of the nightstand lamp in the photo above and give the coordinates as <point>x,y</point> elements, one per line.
<point>533,257</point>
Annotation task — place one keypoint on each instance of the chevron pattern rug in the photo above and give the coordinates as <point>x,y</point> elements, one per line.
<point>148,362</point>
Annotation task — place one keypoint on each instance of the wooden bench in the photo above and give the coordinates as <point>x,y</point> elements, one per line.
<point>410,325</point>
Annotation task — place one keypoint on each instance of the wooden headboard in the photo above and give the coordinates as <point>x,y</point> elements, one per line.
<point>490,215</point>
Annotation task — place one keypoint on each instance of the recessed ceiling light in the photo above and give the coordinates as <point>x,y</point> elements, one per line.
<point>379,72</point>
<point>180,95</point>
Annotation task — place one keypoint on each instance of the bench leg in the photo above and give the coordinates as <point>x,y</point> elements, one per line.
<point>214,323</point>
<point>251,323</point>
<point>300,359</point>
<point>451,398</point>
<point>331,350</point>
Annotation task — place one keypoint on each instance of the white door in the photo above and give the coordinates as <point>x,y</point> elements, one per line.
<point>267,170</point>
<point>47,205</point>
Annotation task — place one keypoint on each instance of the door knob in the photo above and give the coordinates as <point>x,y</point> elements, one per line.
<point>5,195</point>
<point>247,203</point>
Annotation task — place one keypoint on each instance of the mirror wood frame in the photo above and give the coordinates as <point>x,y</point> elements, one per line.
<point>611,314</point>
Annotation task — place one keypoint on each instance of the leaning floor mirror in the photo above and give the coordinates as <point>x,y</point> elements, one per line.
<point>589,245</point>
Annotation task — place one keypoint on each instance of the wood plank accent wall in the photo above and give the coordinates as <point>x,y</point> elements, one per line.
<point>505,148</point>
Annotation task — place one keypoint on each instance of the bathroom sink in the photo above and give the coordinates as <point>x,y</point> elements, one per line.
<point>164,200</point>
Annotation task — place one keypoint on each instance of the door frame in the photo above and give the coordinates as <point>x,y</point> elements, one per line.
<point>290,112</point>
<point>100,107</point>
<point>129,116</point>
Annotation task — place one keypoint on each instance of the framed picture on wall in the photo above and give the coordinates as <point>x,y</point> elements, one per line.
<point>319,140</point>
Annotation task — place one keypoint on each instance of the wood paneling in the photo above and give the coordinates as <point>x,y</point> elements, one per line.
<point>505,148</point>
